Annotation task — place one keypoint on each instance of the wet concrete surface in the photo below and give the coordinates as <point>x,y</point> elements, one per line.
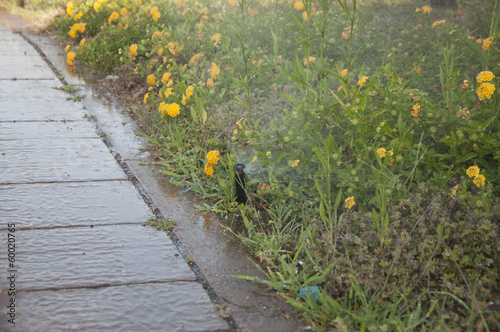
<point>95,257</point>
<point>141,307</point>
<point>28,161</point>
<point>52,130</point>
<point>72,204</point>
<point>216,255</point>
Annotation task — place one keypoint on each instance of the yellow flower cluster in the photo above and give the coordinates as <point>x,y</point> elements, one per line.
<point>187,94</point>
<point>170,109</point>
<point>195,58</point>
<point>478,179</point>
<point>80,27</point>
<point>132,51</point>
<point>487,43</point>
<point>424,9</point>
<point>70,57</point>
<point>343,72</point>
<point>463,113</point>
<point>362,80</point>
<point>485,90</point>
<point>216,39</point>
<point>415,110</point>
<point>295,163</point>
<point>465,85</point>
<point>212,159</point>
<point>151,79</point>
<point>113,17</point>
<point>484,76</point>
<point>349,202</point>
<point>262,188</point>
<point>309,60</point>
<point>381,152</point>
<point>298,5</point>
<point>173,47</point>
<point>438,23</point>
<point>155,13</point>
<point>214,71</point>
<point>69,8</point>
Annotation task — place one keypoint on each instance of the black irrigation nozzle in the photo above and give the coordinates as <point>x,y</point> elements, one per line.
<point>239,182</point>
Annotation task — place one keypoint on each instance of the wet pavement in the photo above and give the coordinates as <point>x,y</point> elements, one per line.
<point>77,184</point>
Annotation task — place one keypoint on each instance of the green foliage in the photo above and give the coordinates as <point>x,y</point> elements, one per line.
<point>358,132</point>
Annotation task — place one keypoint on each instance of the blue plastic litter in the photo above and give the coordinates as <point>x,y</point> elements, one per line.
<point>313,290</point>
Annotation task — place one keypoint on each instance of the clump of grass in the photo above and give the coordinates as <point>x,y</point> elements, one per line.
<point>166,225</point>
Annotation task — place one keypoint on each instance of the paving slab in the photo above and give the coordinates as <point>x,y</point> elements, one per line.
<point>93,256</point>
<point>37,100</point>
<point>44,205</point>
<point>13,47</point>
<point>24,161</point>
<point>23,67</point>
<point>52,49</point>
<point>115,121</point>
<point>171,307</point>
<point>56,130</point>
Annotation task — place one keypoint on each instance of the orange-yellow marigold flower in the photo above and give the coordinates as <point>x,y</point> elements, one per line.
<point>381,152</point>
<point>298,5</point>
<point>70,57</point>
<point>362,80</point>
<point>151,79</point>
<point>484,76</point>
<point>485,90</point>
<point>349,202</point>
<point>472,171</point>
<point>209,170</point>
<point>213,157</point>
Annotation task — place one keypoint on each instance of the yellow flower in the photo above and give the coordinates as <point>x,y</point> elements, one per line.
<point>362,80</point>
<point>69,8</point>
<point>209,170</point>
<point>216,39</point>
<point>427,9</point>
<point>173,47</point>
<point>381,152</point>
<point>132,50</point>
<point>70,57</point>
<point>82,42</point>
<point>311,59</point>
<point>72,33</point>
<point>173,109</point>
<point>194,59</point>
<point>438,23</point>
<point>298,5</point>
<point>155,13</point>
<point>415,110</point>
<point>210,83</point>
<point>484,76</point>
<point>167,93</point>
<point>113,17</point>
<point>485,90</point>
<point>465,85</point>
<point>295,162</point>
<point>184,100</point>
<point>151,79</point>
<point>304,16</point>
<point>345,35</point>
<point>123,11</point>
<point>343,72</point>
<point>66,49</point>
<point>78,16</point>
<point>96,6</point>
<point>254,159</point>
<point>189,91</point>
<point>479,180</point>
<point>230,3</point>
<point>417,70</point>
<point>463,113</point>
<point>487,43</point>
<point>472,171</point>
<point>349,202</point>
<point>165,77</point>
<point>268,154</point>
<point>146,96</point>
<point>214,71</point>
<point>213,157</point>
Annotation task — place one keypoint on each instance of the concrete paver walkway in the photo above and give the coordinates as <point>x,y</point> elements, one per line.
<point>74,255</point>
